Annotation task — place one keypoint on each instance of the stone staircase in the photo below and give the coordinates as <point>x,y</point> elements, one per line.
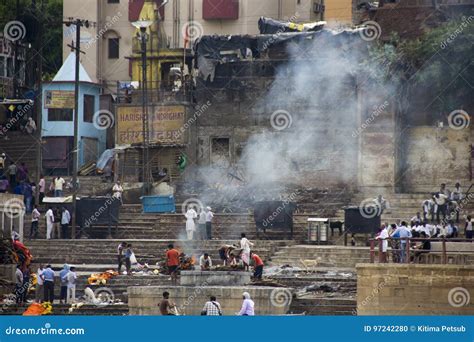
<point>404,206</point>
<point>321,256</point>
<point>134,224</point>
<point>89,252</point>
<point>20,148</point>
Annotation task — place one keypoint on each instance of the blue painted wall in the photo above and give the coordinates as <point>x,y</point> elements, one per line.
<point>66,128</point>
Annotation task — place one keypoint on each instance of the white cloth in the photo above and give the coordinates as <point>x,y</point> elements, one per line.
<point>209,216</point>
<point>38,276</point>
<point>469,225</point>
<point>71,294</point>
<point>49,223</point>
<point>65,217</point>
<point>35,215</point>
<point>117,190</point>
<point>384,235</point>
<point>58,183</point>
<point>190,234</point>
<point>190,216</point>
<point>202,261</point>
<point>245,245</point>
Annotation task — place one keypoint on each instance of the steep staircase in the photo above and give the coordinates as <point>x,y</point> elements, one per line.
<point>20,148</point>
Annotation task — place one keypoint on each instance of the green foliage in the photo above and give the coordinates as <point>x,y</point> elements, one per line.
<point>46,14</point>
<point>438,64</point>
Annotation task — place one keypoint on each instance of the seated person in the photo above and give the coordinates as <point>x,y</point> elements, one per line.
<point>205,262</point>
<point>423,247</point>
<point>232,261</point>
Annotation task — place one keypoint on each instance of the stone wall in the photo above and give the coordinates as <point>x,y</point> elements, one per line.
<point>191,300</point>
<point>395,289</point>
<point>434,156</point>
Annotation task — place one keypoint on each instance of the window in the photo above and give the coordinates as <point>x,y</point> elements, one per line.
<point>2,66</point>
<point>10,67</point>
<point>113,1</point>
<point>89,102</point>
<point>114,48</point>
<point>60,114</point>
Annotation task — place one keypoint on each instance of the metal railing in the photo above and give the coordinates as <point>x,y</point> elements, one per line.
<point>403,252</point>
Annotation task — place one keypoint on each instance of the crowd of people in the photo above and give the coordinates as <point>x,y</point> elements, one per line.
<point>238,256</point>
<point>204,223</point>
<point>445,203</point>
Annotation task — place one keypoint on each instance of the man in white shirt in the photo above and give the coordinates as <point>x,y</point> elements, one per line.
<point>39,291</point>
<point>205,262</point>
<point>49,223</point>
<point>209,217</point>
<point>117,191</point>
<point>65,220</point>
<point>71,285</point>
<point>245,245</point>
<point>427,209</point>
<point>35,215</point>
<point>58,186</point>
<point>441,203</point>
<point>384,237</point>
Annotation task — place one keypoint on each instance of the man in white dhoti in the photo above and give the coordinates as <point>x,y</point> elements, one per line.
<point>190,225</point>
<point>245,245</point>
<point>49,222</point>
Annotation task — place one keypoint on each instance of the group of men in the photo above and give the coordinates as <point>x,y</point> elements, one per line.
<point>211,307</point>
<point>234,256</point>
<point>45,277</point>
<point>204,220</point>
<point>57,223</point>
<point>444,202</point>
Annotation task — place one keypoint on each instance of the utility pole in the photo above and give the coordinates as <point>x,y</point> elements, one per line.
<point>77,48</point>
<point>146,173</point>
<point>39,97</point>
<point>142,36</point>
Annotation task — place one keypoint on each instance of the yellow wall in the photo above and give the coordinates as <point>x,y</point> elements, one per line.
<point>338,11</point>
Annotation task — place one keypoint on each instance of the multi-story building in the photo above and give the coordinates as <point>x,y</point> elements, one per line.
<point>109,42</point>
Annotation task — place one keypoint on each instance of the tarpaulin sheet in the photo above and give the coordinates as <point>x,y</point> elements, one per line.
<point>208,49</point>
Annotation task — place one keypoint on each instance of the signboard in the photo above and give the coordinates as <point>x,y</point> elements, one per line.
<point>59,99</point>
<point>165,124</point>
